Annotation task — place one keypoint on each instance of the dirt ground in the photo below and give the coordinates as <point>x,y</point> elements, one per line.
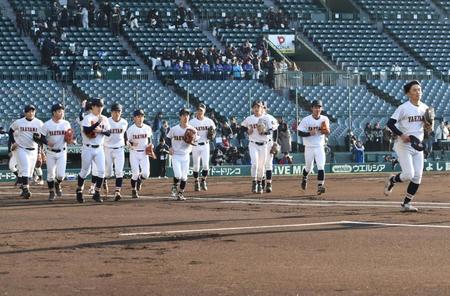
<point>225,241</point>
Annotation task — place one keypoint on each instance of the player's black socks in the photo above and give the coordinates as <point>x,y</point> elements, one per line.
<point>268,175</point>
<point>182,185</point>
<point>16,174</point>
<point>51,184</point>
<point>24,181</point>
<point>133,184</point>
<point>119,182</point>
<point>94,179</point>
<point>195,174</point>
<point>80,182</point>
<point>204,174</point>
<point>175,181</point>
<point>305,173</point>
<point>396,178</point>
<point>320,175</point>
<point>412,188</point>
<point>98,183</point>
<point>408,199</point>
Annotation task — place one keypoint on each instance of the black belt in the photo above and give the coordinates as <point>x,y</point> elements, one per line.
<point>92,146</point>
<point>57,150</point>
<point>201,144</point>
<point>31,149</point>
<point>139,150</point>
<point>259,143</point>
<point>114,148</point>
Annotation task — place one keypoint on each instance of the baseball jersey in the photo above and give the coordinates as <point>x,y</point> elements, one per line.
<point>252,121</point>
<point>308,124</point>
<point>54,133</point>
<point>202,128</point>
<point>139,136</point>
<point>88,121</point>
<point>24,130</point>
<point>179,146</point>
<point>410,118</point>
<point>118,130</point>
<point>273,121</point>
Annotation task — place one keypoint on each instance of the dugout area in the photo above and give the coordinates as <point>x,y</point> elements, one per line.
<point>227,242</point>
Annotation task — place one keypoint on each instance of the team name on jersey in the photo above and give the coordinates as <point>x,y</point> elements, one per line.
<point>28,129</point>
<point>310,128</point>
<point>178,138</point>
<point>56,133</point>
<point>140,136</point>
<point>415,118</point>
<point>116,130</point>
<point>202,128</point>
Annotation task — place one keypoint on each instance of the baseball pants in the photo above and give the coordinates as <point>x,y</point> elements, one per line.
<point>92,156</point>
<point>258,158</point>
<point>269,157</point>
<point>56,165</point>
<point>115,160</point>
<point>314,153</point>
<point>13,164</point>
<point>180,165</point>
<point>411,162</point>
<point>140,164</point>
<point>26,160</point>
<point>200,152</point>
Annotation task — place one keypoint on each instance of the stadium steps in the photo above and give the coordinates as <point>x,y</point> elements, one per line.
<point>381,94</point>
<point>363,14</point>
<point>314,48</point>
<point>135,56</point>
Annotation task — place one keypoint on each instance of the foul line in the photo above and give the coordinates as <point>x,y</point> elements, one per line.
<point>188,231</point>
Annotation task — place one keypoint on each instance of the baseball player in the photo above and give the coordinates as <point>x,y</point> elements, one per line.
<point>138,136</point>
<point>258,129</point>
<point>314,140</point>
<point>95,128</point>
<point>21,134</point>
<point>180,151</point>
<point>407,121</point>
<point>13,164</point>
<point>114,148</point>
<point>202,150</point>
<point>52,134</point>
<point>272,138</point>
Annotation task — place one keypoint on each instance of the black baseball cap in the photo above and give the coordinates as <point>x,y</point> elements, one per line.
<point>57,107</point>
<point>97,102</point>
<point>29,107</point>
<point>317,103</point>
<point>257,102</point>
<point>116,107</point>
<point>184,111</point>
<point>138,112</point>
<point>410,84</point>
<point>201,106</point>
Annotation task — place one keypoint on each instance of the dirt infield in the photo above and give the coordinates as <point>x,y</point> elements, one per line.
<point>354,241</point>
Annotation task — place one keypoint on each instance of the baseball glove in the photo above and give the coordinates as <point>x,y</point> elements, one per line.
<point>324,128</point>
<point>416,143</point>
<point>261,126</point>
<point>150,152</point>
<point>69,136</point>
<point>428,120</point>
<point>189,136</point>
<point>275,149</point>
<point>211,135</point>
<point>91,134</point>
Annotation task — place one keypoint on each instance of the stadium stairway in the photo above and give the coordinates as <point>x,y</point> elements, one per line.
<point>135,56</point>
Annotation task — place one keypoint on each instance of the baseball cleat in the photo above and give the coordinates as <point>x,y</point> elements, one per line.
<point>263,183</point>
<point>196,186</point>
<point>269,187</point>
<point>97,197</point>
<point>117,196</point>
<point>139,184</point>
<point>174,191</point>
<point>320,189</point>
<point>80,198</point>
<point>203,185</point>
<point>51,196</point>
<point>408,208</point>
<point>389,185</point>
<point>180,196</point>
<point>58,189</point>
<point>253,186</point>
<point>304,184</point>
<point>134,194</point>
<point>91,190</point>
<point>26,194</point>
<point>259,189</point>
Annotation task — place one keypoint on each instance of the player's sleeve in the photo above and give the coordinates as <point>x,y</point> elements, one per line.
<point>398,113</point>
<point>14,126</point>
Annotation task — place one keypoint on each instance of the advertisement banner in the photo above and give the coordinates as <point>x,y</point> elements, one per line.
<point>283,42</point>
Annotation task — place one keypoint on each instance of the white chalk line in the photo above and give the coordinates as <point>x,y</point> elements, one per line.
<point>188,231</point>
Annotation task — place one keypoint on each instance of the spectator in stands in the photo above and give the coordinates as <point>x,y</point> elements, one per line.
<point>190,18</point>
<point>20,21</point>
<point>48,50</point>
<point>97,69</point>
<point>217,157</point>
<point>166,58</point>
<point>358,151</point>
<point>91,13</point>
<point>378,137</point>
<point>164,130</point>
<point>218,69</point>
<point>196,70</point>
<point>227,69</point>
<point>64,17</point>
<point>116,20</point>
<point>85,18</point>
<point>162,154</point>
<point>237,69</point>
<point>247,67</point>
<point>284,136</point>
<point>54,12</point>
<point>286,159</point>
<point>442,133</point>
<point>227,132</point>
<point>156,127</point>
<point>235,127</point>
<point>72,70</point>
<point>205,69</point>
<point>133,21</point>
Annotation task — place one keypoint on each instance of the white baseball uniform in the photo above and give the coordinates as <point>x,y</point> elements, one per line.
<point>257,145</point>
<point>314,145</point>
<point>410,122</point>
<point>92,151</point>
<point>114,148</point>
<point>27,148</point>
<point>202,150</point>
<point>92,169</point>
<point>181,150</point>
<point>56,148</point>
<point>269,157</point>
<point>139,161</point>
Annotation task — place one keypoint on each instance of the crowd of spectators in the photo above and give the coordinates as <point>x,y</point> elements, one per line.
<point>274,19</point>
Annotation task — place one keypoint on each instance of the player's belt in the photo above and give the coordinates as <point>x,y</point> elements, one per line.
<point>114,148</point>
<point>259,143</point>
<point>57,150</point>
<point>202,143</point>
<point>139,150</point>
<point>31,149</point>
<point>92,146</point>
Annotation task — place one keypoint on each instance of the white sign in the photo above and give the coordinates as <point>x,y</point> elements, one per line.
<point>283,42</point>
